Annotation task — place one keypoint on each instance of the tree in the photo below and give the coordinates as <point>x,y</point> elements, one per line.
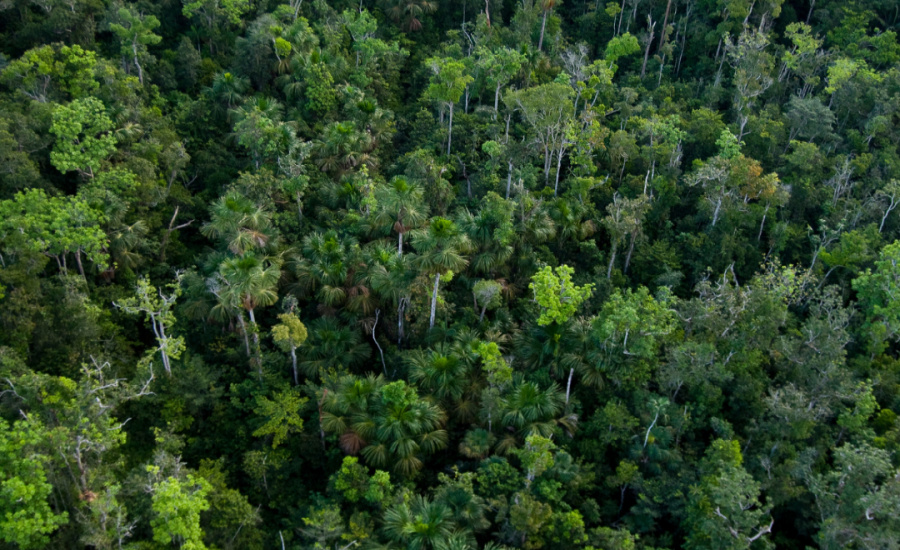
<point>289,335</point>
<point>177,504</point>
<point>53,73</point>
<point>877,292</point>
<point>628,333</point>
<point>556,295</point>
<point>446,86</point>
<point>499,67</point>
<point>250,282</point>
<point>84,137</point>
<point>625,219</point>
<point>724,509</point>
<point>258,128</point>
<point>487,295</point>
<point>400,204</point>
<point>548,110</point>
<point>536,456</point>
<point>55,226</point>
<point>419,524</point>
<point>857,499</point>
<point>239,224</point>
<point>730,180</point>
<point>26,518</point>
<point>409,13</point>
<point>135,33</point>
<point>441,248</point>
<point>159,310</point>
<point>281,414</point>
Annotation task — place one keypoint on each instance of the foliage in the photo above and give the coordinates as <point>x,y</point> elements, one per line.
<point>558,297</point>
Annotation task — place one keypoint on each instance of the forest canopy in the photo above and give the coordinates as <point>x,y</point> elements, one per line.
<point>449,274</point>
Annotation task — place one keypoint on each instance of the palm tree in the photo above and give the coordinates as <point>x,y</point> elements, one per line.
<point>250,282</point>
<point>491,232</point>
<point>405,428</point>
<point>419,524</point>
<point>330,346</point>
<point>400,204</point>
<point>334,270</point>
<point>389,423</point>
<point>342,148</point>
<point>444,375</point>
<point>390,277</point>
<point>528,409</point>
<point>227,90</point>
<point>476,443</point>
<point>345,405</point>
<point>240,224</point>
<point>407,13</point>
<point>440,247</point>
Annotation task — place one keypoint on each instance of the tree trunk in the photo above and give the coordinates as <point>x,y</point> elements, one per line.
<point>763,224</point>
<point>509,178</point>
<point>647,49</point>
<point>630,250</point>
<point>256,347</point>
<point>450,131</point>
<point>569,385</point>
<point>163,341</point>
<point>716,212</point>
<point>481,317</point>
<point>497,100</point>
<point>294,364</point>
<point>612,258</point>
<point>138,65</point>
<point>559,157</point>
<point>78,261</point>
<point>399,243</point>
<point>437,280</point>
<point>543,26</point>
<point>662,40</point>
<point>244,330</point>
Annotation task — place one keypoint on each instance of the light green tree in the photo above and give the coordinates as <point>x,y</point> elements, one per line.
<point>177,504</point>
<point>447,84</point>
<point>289,335</point>
<point>53,73</point>
<point>557,296</point>
<point>548,110</point>
<point>26,518</point>
<point>536,456</point>
<point>84,137</point>
<point>281,414</point>
<point>55,226</point>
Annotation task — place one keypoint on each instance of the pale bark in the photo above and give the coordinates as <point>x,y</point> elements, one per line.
<point>437,280</point>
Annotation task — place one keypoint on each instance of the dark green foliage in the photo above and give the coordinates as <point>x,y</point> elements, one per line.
<point>436,274</point>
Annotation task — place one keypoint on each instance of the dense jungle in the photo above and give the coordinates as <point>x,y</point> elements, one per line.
<point>449,274</point>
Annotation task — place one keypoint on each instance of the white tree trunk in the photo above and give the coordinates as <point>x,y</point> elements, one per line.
<point>437,280</point>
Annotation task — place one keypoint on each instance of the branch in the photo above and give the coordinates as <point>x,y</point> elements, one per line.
<point>768,529</point>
